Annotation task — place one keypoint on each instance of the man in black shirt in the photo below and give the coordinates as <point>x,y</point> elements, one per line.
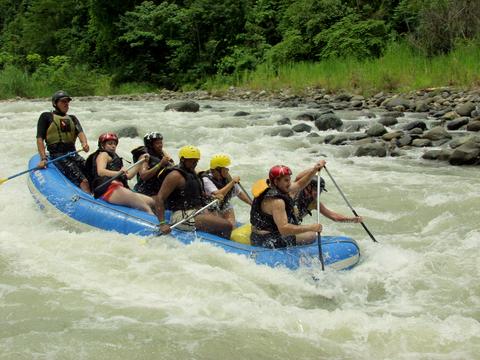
<point>60,131</point>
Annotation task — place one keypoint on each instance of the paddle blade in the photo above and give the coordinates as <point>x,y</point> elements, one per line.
<point>2,180</point>
<point>258,187</point>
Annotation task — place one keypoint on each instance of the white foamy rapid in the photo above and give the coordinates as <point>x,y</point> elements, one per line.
<point>71,294</point>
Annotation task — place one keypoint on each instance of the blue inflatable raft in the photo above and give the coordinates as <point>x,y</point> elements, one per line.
<point>53,192</point>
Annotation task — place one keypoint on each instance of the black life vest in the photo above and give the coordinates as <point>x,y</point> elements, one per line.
<point>191,196</point>
<point>302,204</point>
<point>263,221</point>
<point>151,186</point>
<point>92,174</point>
<point>219,184</point>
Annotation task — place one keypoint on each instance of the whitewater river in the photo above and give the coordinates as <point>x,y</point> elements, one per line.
<point>67,293</point>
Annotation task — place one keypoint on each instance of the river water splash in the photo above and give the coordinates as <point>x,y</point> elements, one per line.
<point>69,293</point>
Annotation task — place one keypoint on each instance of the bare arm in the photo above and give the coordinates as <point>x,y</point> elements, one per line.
<point>242,196</point>
<point>42,153</point>
<point>83,141</point>
<point>146,173</point>
<point>102,160</point>
<point>224,191</point>
<point>279,214</point>
<point>303,179</point>
<point>171,182</point>
<point>332,215</point>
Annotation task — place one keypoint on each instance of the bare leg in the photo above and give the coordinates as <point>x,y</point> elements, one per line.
<point>126,197</point>
<point>213,224</point>
<point>85,187</point>
<point>306,238</point>
<point>230,216</point>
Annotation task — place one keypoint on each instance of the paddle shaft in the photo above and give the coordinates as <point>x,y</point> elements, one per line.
<point>245,191</point>
<point>194,214</point>
<point>119,174</point>
<point>37,168</point>
<point>350,206</point>
<point>319,237</point>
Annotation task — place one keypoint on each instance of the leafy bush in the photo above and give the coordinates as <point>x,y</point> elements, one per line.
<point>352,37</point>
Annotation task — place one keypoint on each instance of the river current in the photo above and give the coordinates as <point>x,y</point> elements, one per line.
<point>68,293</point>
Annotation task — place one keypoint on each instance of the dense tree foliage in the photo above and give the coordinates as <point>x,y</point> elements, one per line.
<point>176,42</point>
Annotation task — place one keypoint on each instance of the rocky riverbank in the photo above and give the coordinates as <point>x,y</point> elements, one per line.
<point>444,122</point>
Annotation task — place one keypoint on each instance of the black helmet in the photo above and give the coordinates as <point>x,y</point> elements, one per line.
<point>60,94</point>
<point>314,182</point>
<point>149,137</point>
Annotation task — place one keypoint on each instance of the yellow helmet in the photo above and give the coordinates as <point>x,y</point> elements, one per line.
<point>189,152</point>
<point>220,161</point>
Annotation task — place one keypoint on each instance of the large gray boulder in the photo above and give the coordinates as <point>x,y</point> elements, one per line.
<point>376,130</point>
<point>328,121</point>
<point>302,128</point>
<point>466,154</point>
<point>437,133</point>
<point>474,125</point>
<point>183,106</point>
<point>442,154</point>
<point>388,121</point>
<point>415,124</point>
<point>458,123</point>
<point>397,102</point>
<point>128,131</point>
<point>282,132</point>
<point>465,109</point>
<point>375,149</point>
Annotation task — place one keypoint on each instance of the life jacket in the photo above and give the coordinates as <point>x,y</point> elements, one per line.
<point>302,206</point>
<point>191,196</point>
<point>219,185</point>
<point>263,221</point>
<point>92,174</point>
<point>151,186</point>
<point>62,129</point>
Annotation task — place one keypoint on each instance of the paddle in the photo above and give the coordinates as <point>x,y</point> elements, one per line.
<point>258,187</point>
<point>350,206</point>
<point>319,237</point>
<point>3,180</point>
<point>117,176</point>
<point>194,214</point>
<point>245,191</point>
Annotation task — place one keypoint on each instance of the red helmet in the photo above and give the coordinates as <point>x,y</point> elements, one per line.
<point>277,171</point>
<point>107,137</point>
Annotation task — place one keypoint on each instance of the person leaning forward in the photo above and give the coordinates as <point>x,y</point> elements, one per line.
<point>60,131</point>
<point>306,201</point>
<point>149,176</point>
<point>182,193</point>
<point>273,218</point>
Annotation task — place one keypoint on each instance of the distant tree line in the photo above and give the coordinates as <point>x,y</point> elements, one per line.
<point>177,42</point>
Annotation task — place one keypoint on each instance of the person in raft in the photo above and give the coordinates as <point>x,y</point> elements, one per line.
<point>104,164</point>
<point>149,181</point>
<point>217,180</point>
<point>60,132</point>
<point>273,218</point>
<point>306,201</point>
<point>182,193</point>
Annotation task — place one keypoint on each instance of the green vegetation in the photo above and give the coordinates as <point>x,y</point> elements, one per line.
<point>399,69</point>
<point>130,46</point>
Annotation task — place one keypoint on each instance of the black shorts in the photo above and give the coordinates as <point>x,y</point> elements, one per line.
<point>73,167</point>
<point>273,240</point>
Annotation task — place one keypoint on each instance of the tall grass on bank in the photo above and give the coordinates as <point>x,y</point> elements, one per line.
<point>77,80</point>
<point>399,69</point>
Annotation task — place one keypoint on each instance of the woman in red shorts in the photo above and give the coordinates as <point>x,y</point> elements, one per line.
<point>104,164</point>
